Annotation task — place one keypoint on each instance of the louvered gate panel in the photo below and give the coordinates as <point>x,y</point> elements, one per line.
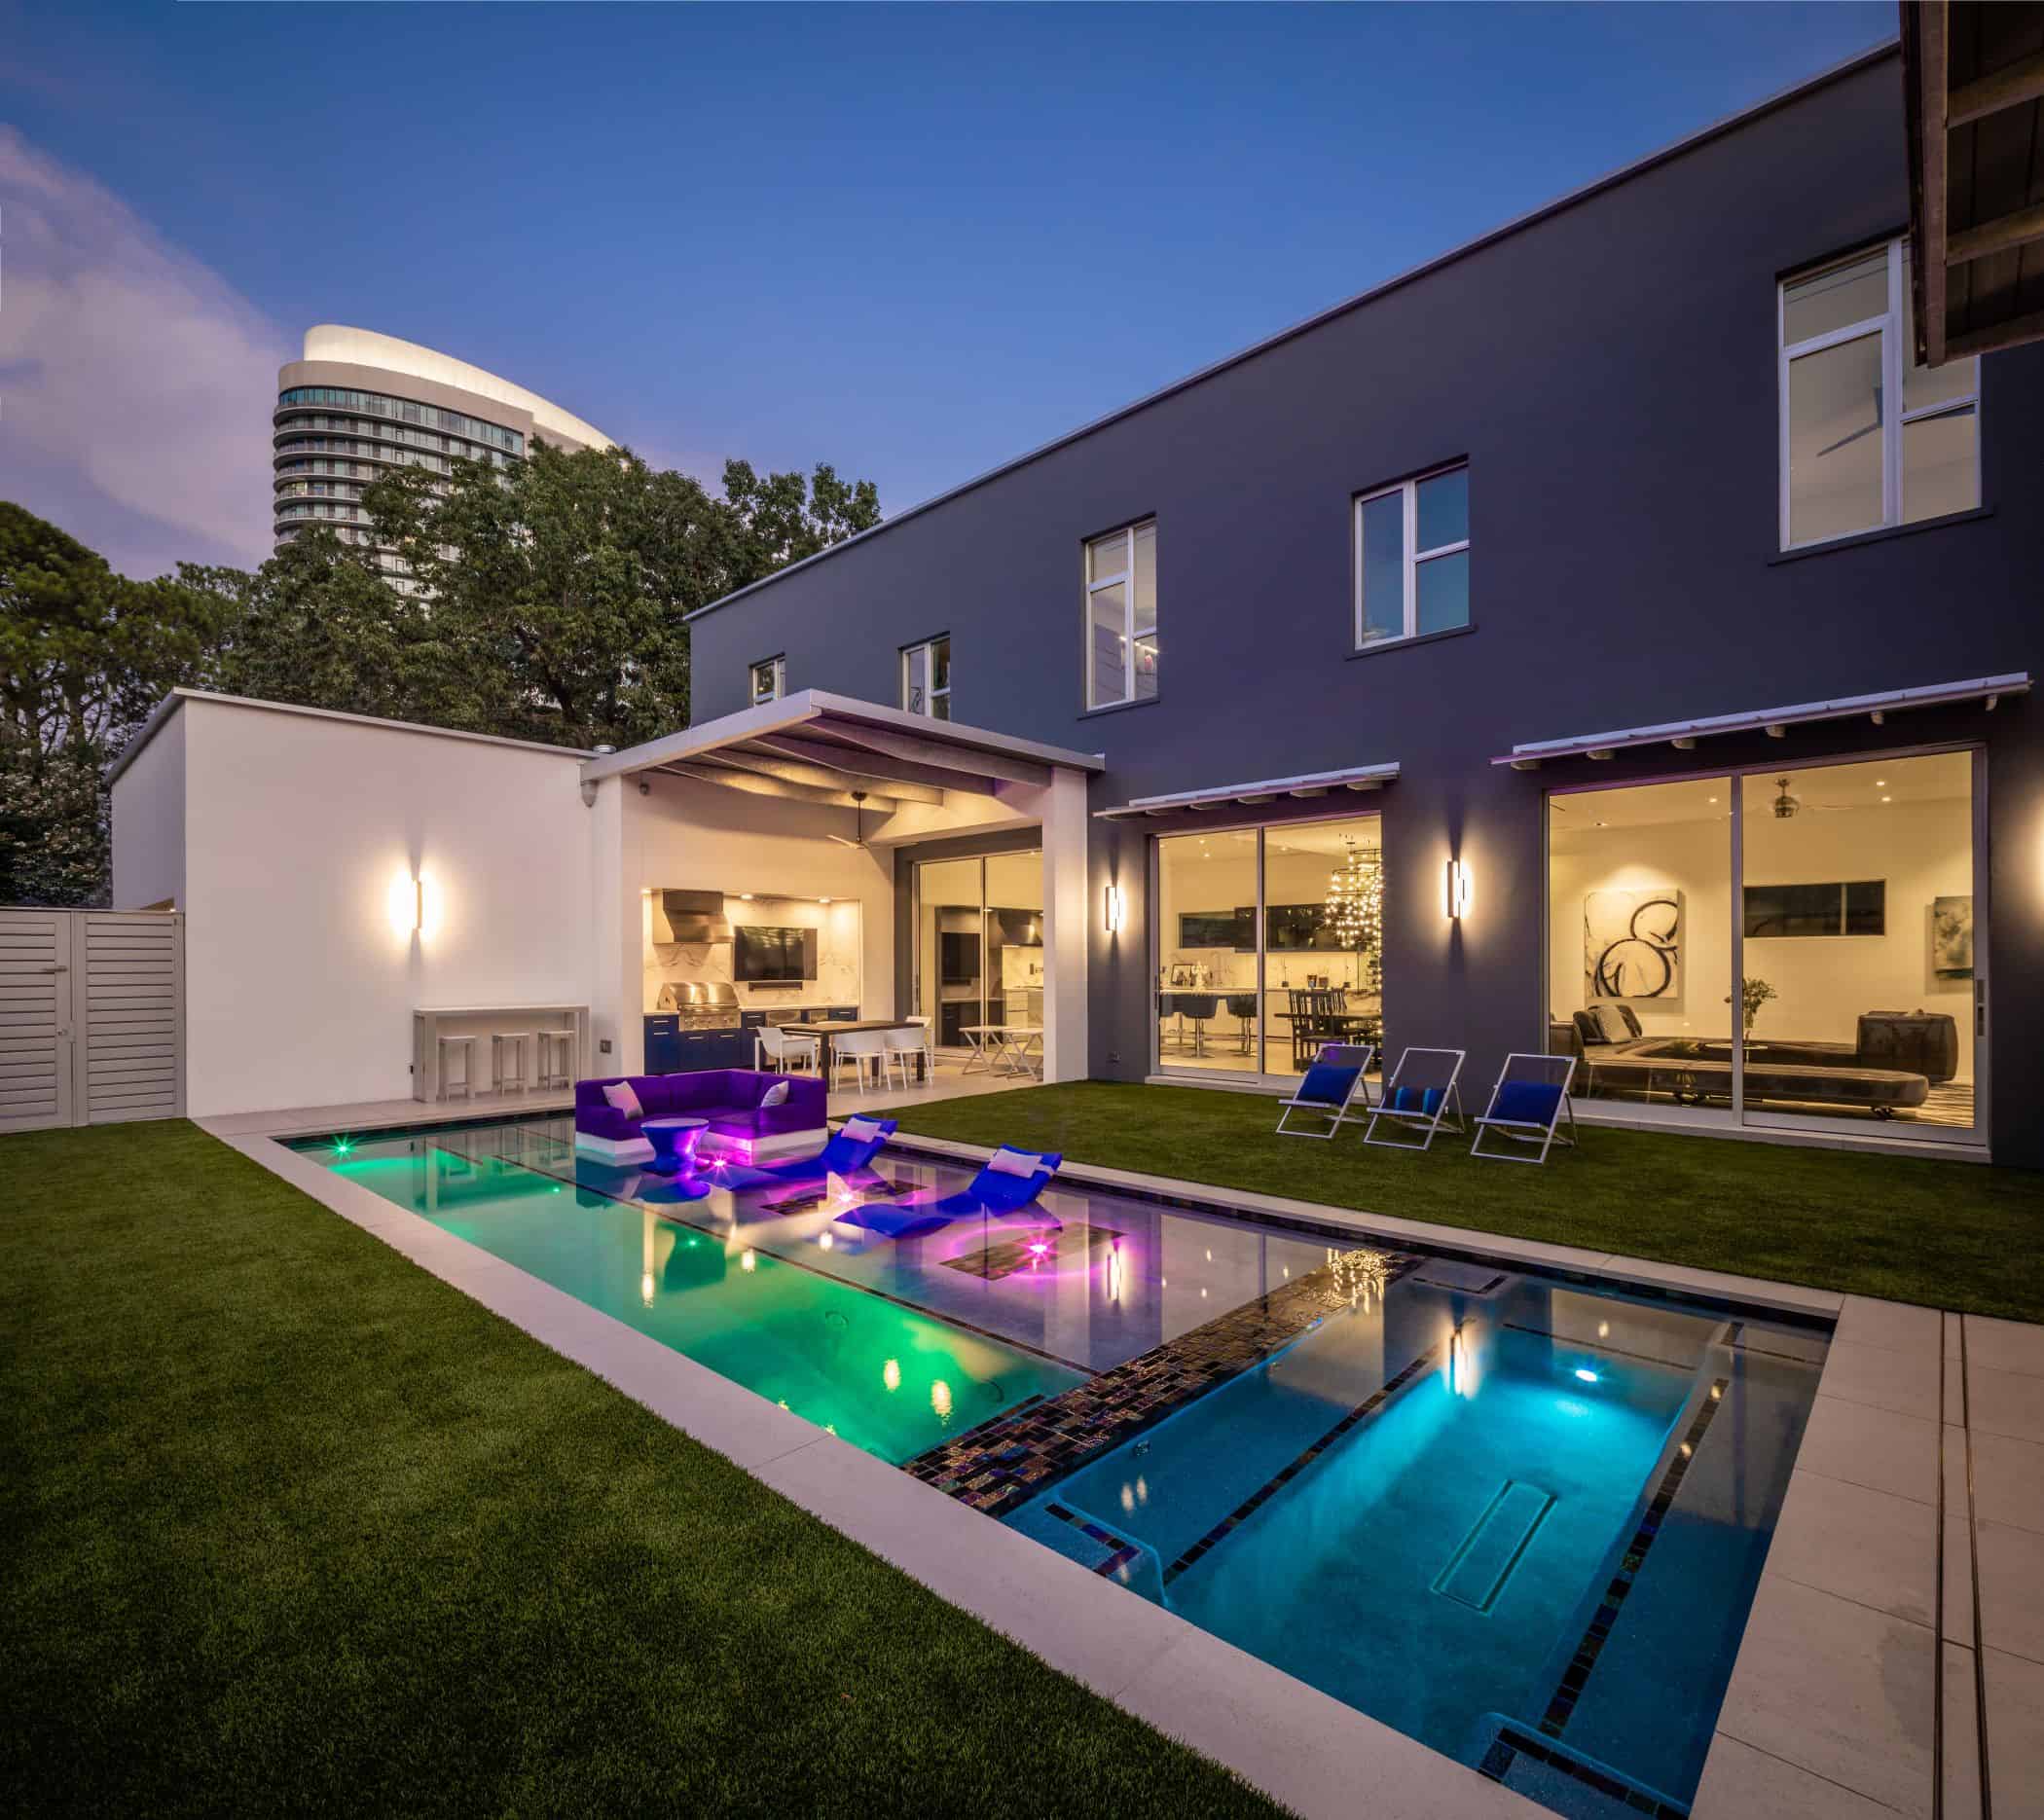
<point>36,1064</point>
<point>131,1053</point>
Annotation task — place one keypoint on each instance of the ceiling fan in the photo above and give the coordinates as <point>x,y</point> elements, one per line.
<point>859,822</point>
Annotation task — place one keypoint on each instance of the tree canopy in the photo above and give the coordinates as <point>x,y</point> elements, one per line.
<point>546,602</point>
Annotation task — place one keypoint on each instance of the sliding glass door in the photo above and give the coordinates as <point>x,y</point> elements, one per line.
<point>1268,946</point>
<point>979,945</point>
<point>1793,948</point>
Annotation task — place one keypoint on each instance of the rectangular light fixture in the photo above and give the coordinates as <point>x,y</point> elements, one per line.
<point>1116,908</point>
<point>419,904</point>
<point>1458,891</point>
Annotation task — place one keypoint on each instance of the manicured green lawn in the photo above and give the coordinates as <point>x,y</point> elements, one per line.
<point>292,1527</point>
<point>1955,1235</point>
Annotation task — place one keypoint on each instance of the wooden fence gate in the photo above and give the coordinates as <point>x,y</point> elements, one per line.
<point>91,1017</point>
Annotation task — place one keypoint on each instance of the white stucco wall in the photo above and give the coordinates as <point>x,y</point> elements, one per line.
<point>300,836</point>
<point>149,823</point>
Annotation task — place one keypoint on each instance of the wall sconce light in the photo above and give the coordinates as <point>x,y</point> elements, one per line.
<point>1457,902</point>
<point>1116,909</point>
<point>406,905</point>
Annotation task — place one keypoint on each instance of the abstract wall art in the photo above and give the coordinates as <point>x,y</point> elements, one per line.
<point>1632,943</point>
<point>1952,938</point>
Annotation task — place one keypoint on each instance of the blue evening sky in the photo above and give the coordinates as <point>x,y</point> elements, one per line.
<point>911,241</point>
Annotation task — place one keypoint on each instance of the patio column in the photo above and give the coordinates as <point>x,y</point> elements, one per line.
<point>616,987</point>
<point>1066,934</point>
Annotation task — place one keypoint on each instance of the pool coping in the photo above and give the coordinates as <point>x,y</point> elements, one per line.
<point>1301,1746</point>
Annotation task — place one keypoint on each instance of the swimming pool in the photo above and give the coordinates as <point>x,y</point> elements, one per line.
<point>1516,1517</point>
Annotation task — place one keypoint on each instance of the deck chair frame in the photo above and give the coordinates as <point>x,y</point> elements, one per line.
<point>1524,1132</point>
<point>1448,1116</point>
<point>1343,1055</point>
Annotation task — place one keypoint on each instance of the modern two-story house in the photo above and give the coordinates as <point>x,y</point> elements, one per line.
<point>1610,638</point>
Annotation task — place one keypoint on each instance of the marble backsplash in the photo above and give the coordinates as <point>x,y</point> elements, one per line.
<point>838,961</point>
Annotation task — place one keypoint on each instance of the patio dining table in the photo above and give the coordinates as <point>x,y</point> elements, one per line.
<point>824,1029</point>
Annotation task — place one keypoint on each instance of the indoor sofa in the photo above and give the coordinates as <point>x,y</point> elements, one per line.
<point>728,1097</point>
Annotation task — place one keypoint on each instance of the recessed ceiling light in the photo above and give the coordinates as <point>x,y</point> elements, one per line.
<point>745,898</point>
<point>822,900</point>
<point>1888,799</point>
<point>1881,784</point>
<point>1713,799</point>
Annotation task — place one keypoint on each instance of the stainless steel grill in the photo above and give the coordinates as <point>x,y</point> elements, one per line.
<point>701,1004</point>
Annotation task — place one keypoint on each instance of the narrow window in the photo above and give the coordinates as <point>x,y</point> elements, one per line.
<point>1122,615</point>
<point>769,679</point>
<point>1869,438</point>
<point>926,679</point>
<point>1412,558</point>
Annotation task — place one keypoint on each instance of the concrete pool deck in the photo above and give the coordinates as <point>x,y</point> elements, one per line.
<point>1869,1672</point>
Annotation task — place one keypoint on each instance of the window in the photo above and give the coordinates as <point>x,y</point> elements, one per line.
<point>769,679</point>
<point>1121,616</point>
<point>1851,459</point>
<point>926,679</point>
<point>1412,558</point>
<point>1850,909</point>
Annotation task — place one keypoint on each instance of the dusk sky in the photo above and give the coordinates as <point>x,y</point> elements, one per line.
<point>912,241</point>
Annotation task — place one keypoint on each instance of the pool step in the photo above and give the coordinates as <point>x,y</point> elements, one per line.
<point>1477,1569</point>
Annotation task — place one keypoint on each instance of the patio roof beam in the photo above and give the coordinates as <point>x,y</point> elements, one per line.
<point>912,750</point>
<point>753,784</point>
<point>821,778</point>
<point>858,768</point>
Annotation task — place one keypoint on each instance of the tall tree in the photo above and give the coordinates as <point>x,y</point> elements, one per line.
<point>777,520</point>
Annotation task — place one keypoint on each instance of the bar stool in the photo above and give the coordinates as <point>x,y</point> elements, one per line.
<point>556,1067</point>
<point>1196,1008</point>
<point>1242,1007</point>
<point>507,1059</point>
<point>466,1045</point>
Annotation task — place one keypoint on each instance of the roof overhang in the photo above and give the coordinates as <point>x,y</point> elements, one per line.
<point>1358,777</point>
<point>818,747</point>
<point>1973,77</point>
<point>1774,721</point>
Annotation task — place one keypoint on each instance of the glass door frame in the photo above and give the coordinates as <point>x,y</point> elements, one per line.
<point>1973,1137</point>
<point>1260,1078</point>
<point>915,945</point>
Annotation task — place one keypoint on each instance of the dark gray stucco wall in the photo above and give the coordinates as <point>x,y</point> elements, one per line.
<point>1610,374</point>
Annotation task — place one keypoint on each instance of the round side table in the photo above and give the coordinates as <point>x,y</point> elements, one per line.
<point>674,1142</point>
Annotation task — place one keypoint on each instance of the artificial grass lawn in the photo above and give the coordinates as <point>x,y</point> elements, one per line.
<point>291,1526</point>
<point>1952,1235</point>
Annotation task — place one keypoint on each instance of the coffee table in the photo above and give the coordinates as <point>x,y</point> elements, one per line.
<point>674,1142</point>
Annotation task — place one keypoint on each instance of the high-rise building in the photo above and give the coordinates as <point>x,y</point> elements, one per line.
<point>360,404</point>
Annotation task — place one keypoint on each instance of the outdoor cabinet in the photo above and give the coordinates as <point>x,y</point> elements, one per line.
<point>663,1045</point>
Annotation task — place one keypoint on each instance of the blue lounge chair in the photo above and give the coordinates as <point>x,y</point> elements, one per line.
<point>992,1193</point>
<point>1421,1096</point>
<point>848,1150</point>
<point>1333,1084</point>
<point>1527,1107</point>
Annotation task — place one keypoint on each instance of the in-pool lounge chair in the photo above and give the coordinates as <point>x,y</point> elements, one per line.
<point>850,1148</point>
<point>1421,1096</point>
<point>1011,1180</point>
<point>1334,1084</point>
<point>1527,1108</point>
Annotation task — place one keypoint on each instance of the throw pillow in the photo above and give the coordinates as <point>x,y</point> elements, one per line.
<point>620,1094</point>
<point>775,1095</point>
<point>1526,1102</point>
<point>1611,1021</point>
<point>1014,1162</point>
<point>860,1130</point>
<point>1327,1083</point>
<point>1423,1099</point>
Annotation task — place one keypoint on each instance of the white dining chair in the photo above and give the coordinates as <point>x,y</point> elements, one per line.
<point>927,1030</point>
<point>904,1046</point>
<point>782,1053</point>
<point>859,1047</point>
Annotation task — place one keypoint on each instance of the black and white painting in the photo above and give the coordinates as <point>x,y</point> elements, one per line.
<point>1632,943</point>
<point>1952,938</point>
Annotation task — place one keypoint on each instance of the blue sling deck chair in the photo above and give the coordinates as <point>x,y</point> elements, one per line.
<point>1528,1104</point>
<point>1333,1085</point>
<point>1421,1096</point>
<point>996,1191</point>
<point>849,1149</point>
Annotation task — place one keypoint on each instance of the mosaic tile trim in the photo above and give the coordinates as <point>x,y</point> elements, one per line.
<point>1511,1744</point>
<point>1013,1459</point>
<point>1255,1500</point>
<point>996,1261</point>
<point>1121,1552</point>
<point>1576,1676</point>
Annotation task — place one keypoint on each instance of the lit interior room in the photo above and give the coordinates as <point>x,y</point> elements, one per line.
<point>1234,996</point>
<point>979,951</point>
<point>1851,927</point>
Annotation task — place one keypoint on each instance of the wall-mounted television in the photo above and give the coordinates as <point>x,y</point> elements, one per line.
<point>768,956</point>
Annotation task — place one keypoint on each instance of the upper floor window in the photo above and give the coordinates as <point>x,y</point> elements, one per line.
<point>926,679</point>
<point>1412,558</point>
<point>1122,615</point>
<point>1869,438</point>
<point>769,679</point>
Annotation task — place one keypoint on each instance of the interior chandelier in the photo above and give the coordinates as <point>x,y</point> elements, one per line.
<point>1355,906</point>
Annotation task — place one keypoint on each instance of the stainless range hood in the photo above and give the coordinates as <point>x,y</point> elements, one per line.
<point>689,915</point>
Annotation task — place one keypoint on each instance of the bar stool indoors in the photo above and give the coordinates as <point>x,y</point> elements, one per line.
<point>1242,1007</point>
<point>507,1059</point>
<point>556,1064</point>
<point>465,1047</point>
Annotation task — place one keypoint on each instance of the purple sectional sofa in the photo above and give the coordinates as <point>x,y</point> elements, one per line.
<point>727,1097</point>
